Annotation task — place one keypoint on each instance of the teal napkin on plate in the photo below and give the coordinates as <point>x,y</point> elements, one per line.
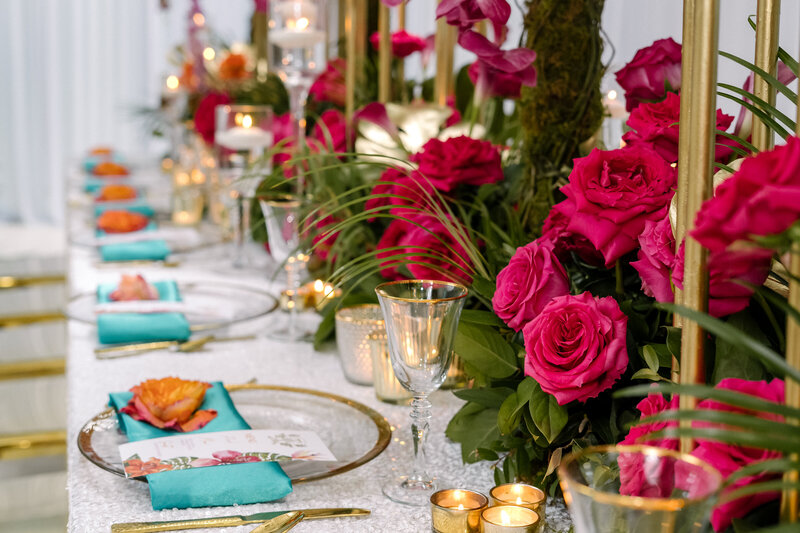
<point>92,161</point>
<point>93,184</point>
<point>137,206</point>
<point>155,250</point>
<point>236,484</point>
<point>116,328</point>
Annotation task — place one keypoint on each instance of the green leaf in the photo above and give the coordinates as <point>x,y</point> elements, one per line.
<point>493,397</point>
<point>646,373</point>
<point>730,360</point>
<point>509,415</point>
<point>485,349</point>
<point>526,389</point>
<point>674,341</point>
<point>651,358</point>
<point>478,316</point>
<point>473,427</point>
<point>769,78</point>
<point>484,287</point>
<point>547,414</point>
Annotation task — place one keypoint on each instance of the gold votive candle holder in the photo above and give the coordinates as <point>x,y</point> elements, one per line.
<point>387,388</point>
<point>457,377</point>
<point>457,511</point>
<point>509,519</point>
<point>520,495</point>
<point>353,326</point>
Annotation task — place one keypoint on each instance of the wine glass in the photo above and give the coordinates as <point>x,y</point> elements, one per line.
<point>281,218</point>
<point>421,318</point>
<point>242,134</point>
<point>638,489</point>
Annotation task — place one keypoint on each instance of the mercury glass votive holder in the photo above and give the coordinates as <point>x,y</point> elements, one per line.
<point>353,326</point>
<point>509,519</point>
<point>188,202</point>
<point>387,388</point>
<point>521,495</point>
<point>457,511</point>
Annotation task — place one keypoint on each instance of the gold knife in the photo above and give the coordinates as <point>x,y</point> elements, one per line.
<point>280,524</point>
<point>230,521</point>
<point>111,352</point>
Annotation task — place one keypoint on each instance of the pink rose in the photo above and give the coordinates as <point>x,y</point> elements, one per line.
<point>576,346</point>
<point>728,458</point>
<point>613,193</point>
<point>429,250</point>
<point>566,243</point>
<point>399,188</point>
<point>656,259</point>
<point>459,161</point>
<point>330,132</point>
<point>726,271</point>
<point>762,198</point>
<point>403,43</point>
<point>205,115</point>
<point>652,405</point>
<point>329,85</point>
<point>532,278</point>
<point>656,126</point>
<point>652,72</point>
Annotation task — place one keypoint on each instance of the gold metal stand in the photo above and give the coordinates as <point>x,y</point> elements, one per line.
<point>34,368</point>
<point>384,55</point>
<point>766,58</point>
<point>699,159</point>
<point>445,44</point>
<point>25,445</point>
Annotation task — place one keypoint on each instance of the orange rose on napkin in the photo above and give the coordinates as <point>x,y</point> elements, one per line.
<point>133,288</point>
<point>170,403</point>
<point>115,193</point>
<point>121,221</point>
<point>109,168</point>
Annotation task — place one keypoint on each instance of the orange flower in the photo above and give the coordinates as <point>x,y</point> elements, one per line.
<point>121,221</point>
<point>132,288</point>
<point>109,168</point>
<point>101,150</point>
<point>170,403</point>
<point>188,78</point>
<point>113,193</point>
<point>233,67</point>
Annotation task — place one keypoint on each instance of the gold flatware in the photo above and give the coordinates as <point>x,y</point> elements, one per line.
<point>230,521</point>
<point>137,263</point>
<point>192,345</point>
<point>281,523</point>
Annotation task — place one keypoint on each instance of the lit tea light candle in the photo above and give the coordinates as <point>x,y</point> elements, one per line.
<point>614,107</point>
<point>457,511</point>
<point>244,135</point>
<point>509,519</point>
<point>173,84</point>
<point>299,25</point>
<point>519,494</point>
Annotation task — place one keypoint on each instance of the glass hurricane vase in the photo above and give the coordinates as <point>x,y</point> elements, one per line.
<point>421,319</point>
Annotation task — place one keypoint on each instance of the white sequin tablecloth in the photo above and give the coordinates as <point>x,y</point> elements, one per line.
<point>97,499</point>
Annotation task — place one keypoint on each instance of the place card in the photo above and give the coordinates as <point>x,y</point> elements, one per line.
<point>198,450</point>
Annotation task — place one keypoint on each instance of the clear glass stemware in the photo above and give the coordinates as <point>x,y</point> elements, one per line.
<point>421,319</point>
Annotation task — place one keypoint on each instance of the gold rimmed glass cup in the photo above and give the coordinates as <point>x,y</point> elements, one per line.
<point>421,318</point>
<point>638,489</point>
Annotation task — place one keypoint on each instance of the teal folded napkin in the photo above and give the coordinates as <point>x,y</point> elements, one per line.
<point>116,328</point>
<point>155,250</point>
<point>93,184</point>
<point>235,484</point>
<point>92,161</point>
<point>137,206</point>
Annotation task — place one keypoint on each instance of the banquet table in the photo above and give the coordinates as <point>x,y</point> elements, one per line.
<point>98,499</point>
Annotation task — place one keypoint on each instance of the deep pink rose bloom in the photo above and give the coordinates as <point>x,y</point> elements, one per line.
<point>614,193</point>
<point>513,66</point>
<point>576,346</point>
<point>656,125</point>
<point>428,236</point>
<point>322,240</point>
<point>459,161</point>
<point>652,71</point>
<point>330,132</point>
<point>565,242</point>
<point>407,189</point>
<point>205,115</point>
<point>652,405</point>
<point>403,43</point>
<point>532,278</point>
<point>465,13</point>
<point>762,198</point>
<point>728,458</point>
<point>329,85</point>
<point>725,268</point>
<point>656,259</point>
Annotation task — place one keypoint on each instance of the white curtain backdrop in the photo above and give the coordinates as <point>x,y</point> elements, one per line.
<point>73,72</point>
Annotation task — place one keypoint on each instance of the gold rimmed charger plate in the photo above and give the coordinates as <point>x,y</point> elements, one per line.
<point>353,432</point>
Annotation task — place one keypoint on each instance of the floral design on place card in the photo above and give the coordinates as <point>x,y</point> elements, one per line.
<point>202,450</point>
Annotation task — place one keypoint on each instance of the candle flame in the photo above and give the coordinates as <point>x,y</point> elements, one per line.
<point>519,500</point>
<point>298,24</point>
<point>247,121</point>
<point>209,54</point>
<point>460,506</point>
<point>612,94</point>
<point>318,285</point>
<point>173,82</point>
<point>504,518</point>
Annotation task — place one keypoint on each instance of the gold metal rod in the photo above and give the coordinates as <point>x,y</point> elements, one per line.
<point>9,321</point>
<point>767,21</point>
<point>384,55</point>
<point>350,69</point>
<point>401,16</point>
<point>401,62</point>
<point>444,61</point>
<point>12,282</point>
<point>790,499</point>
<point>34,368</point>
<point>25,445</point>
<point>684,143</point>
<point>700,160</point>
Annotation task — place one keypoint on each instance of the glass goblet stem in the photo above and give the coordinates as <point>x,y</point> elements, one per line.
<point>420,423</point>
<point>241,225</point>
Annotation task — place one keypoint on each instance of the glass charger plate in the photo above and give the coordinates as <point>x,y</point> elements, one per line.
<point>353,432</point>
<point>209,304</point>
